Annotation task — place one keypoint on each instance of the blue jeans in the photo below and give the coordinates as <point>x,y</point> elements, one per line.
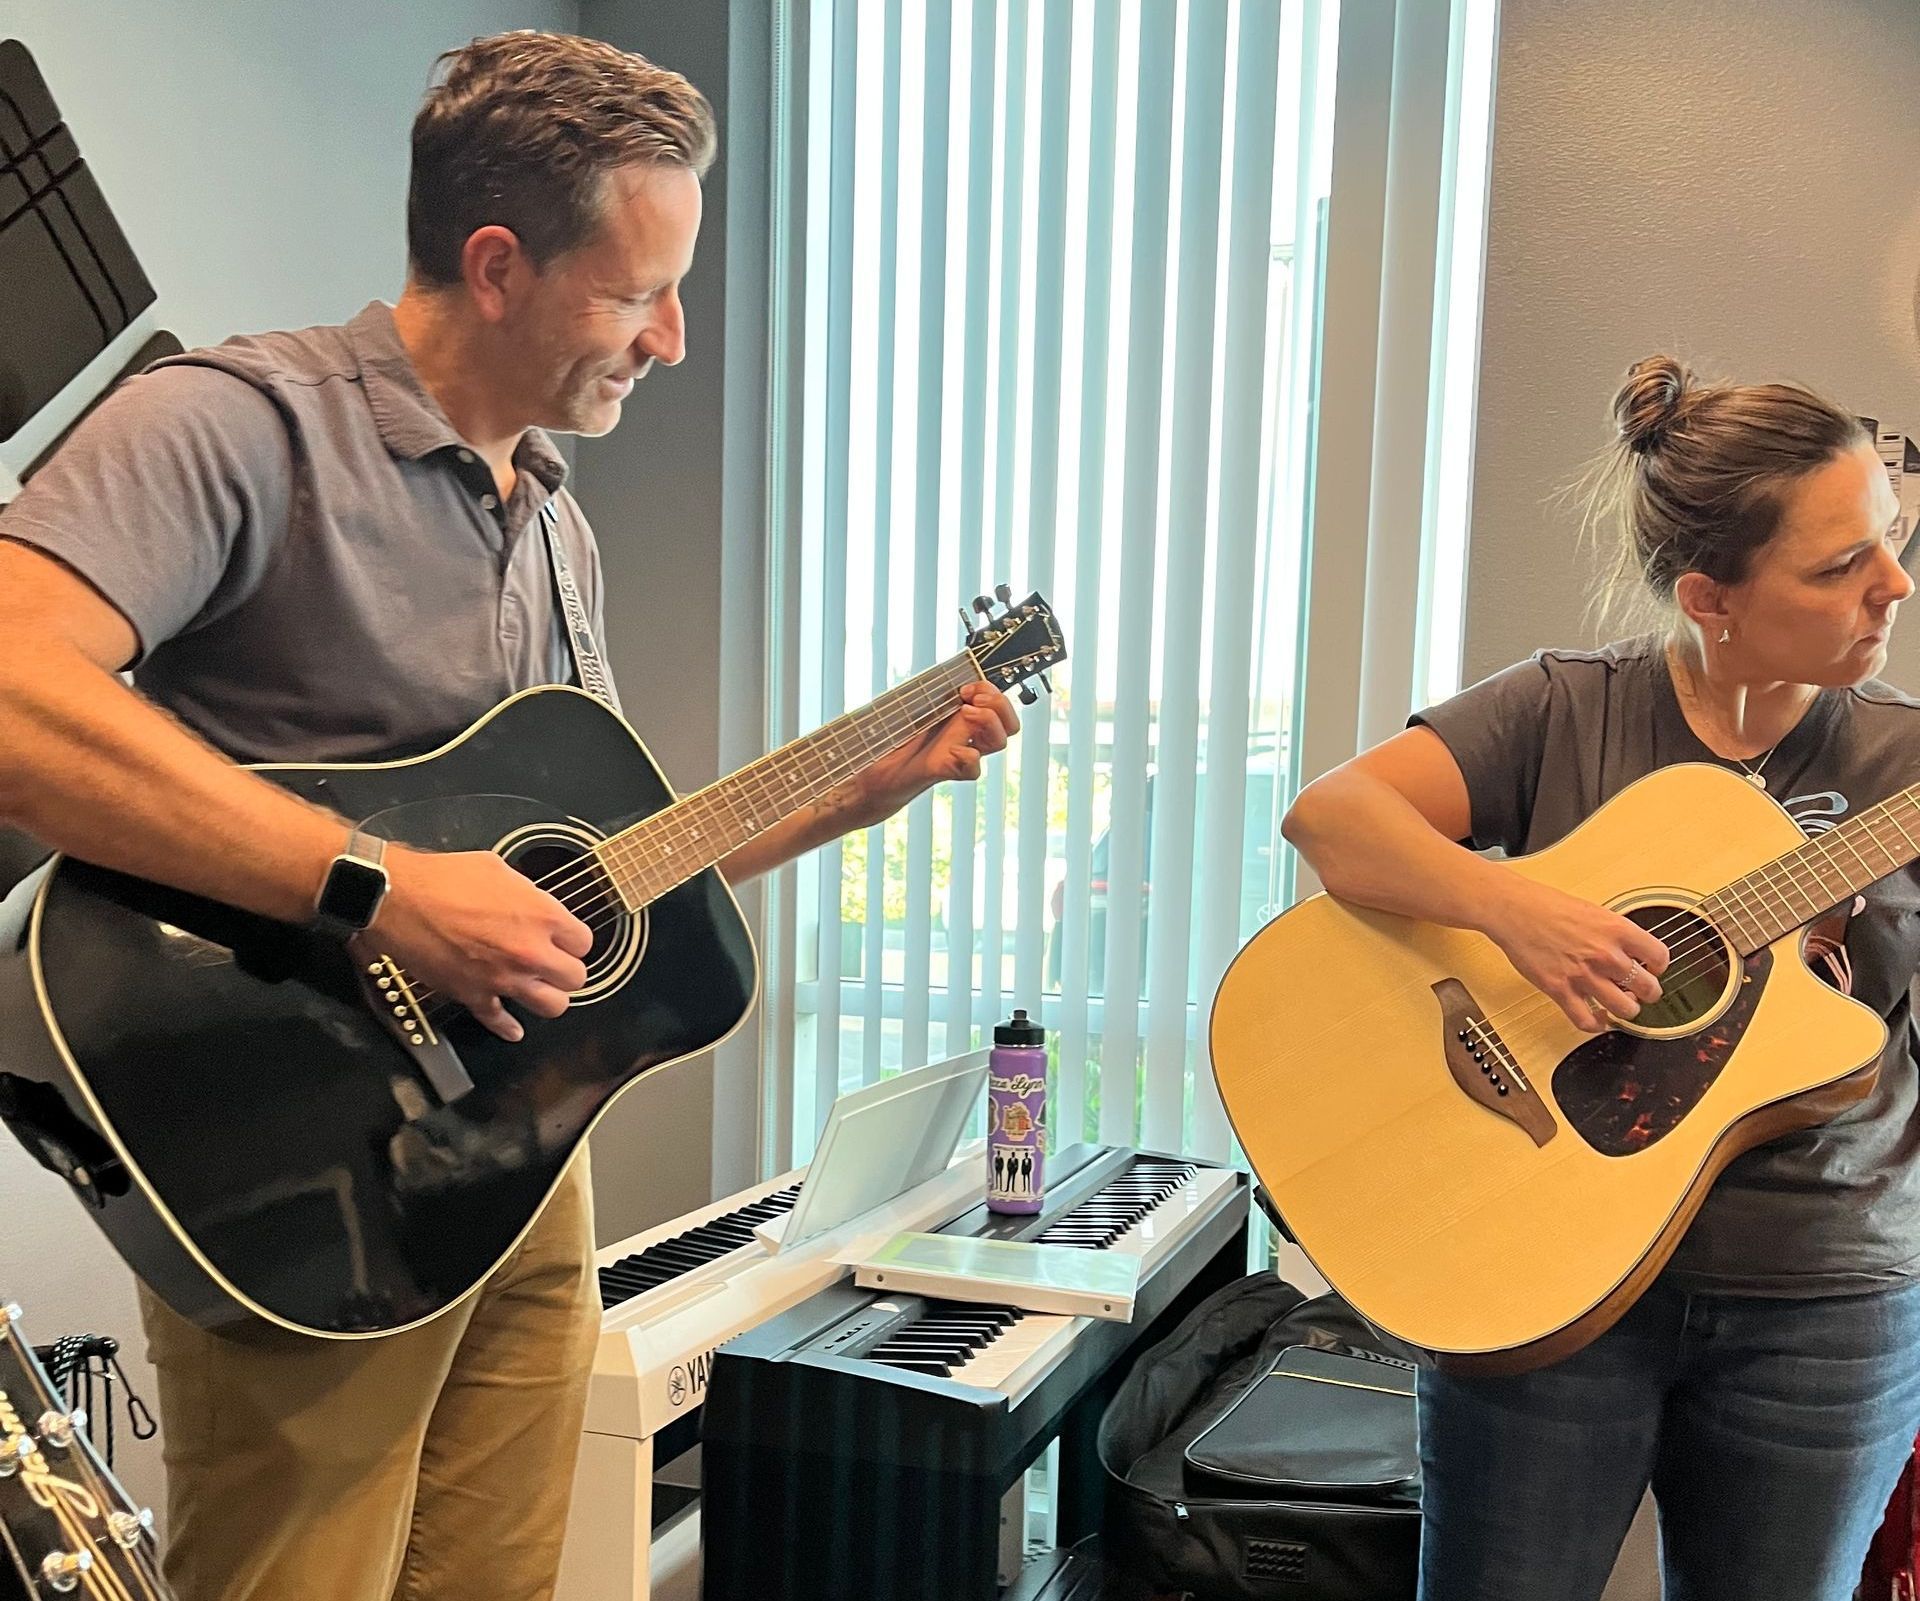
<point>1771,1431</point>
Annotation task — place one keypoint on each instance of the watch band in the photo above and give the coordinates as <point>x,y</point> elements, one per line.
<point>367,847</point>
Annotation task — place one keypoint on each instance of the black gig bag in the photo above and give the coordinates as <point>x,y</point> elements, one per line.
<point>1266,1451</point>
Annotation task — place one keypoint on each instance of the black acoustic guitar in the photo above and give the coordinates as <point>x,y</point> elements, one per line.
<point>271,1129</point>
<point>66,1525</point>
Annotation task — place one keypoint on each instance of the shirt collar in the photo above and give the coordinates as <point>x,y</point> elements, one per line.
<point>411,423</point>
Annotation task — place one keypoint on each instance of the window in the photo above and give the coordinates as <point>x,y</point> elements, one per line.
<point>1050,314</point>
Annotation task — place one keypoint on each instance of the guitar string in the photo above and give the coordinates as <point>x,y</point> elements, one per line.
<point>1707,943</point>
<point>898,724</point>
<point>939,680</point>
<point>1771,874</point>
<point>94,1481</point>
<point>588,866</point>
<point>765,767</point>
<point>1710,944</point>
<point>1710,941</point>
<point>593,909</point>
<point>101,1582</point>
<point>598,872</point>
<point>1788,876</point>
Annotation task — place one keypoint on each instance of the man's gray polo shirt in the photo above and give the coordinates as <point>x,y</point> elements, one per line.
<point>317,566</point>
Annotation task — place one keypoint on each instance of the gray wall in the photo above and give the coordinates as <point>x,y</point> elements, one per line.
<point>674,495</point>
<point>1736,180</point>
<point>257,157</point>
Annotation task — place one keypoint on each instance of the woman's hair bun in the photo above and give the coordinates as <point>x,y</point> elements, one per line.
<point>1649,402</point>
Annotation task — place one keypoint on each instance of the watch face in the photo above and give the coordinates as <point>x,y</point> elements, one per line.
<point>353,892</point>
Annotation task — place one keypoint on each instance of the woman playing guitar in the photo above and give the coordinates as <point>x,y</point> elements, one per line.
<point>1767,1385</point>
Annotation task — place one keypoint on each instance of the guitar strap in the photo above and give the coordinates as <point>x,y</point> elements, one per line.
<point>587,660</point>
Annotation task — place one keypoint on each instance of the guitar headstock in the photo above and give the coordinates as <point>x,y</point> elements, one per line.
<point>1022,642</point>
<point>66,1526</point>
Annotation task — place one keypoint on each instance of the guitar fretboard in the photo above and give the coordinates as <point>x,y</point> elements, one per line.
<point>668,848</point>
<point>1813,878</point>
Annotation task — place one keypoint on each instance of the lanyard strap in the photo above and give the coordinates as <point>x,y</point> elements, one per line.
<point>587,660</point>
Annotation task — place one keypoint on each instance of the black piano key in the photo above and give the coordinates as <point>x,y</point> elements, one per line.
<point>934,1340</point>
<point>667,1259</point>
<point>1101,1219</point>
<point>630,1270</point>
<point>629,1280</point>
<point>682,1258</point>
<point>907,1352</point>
<point>972,1331</point>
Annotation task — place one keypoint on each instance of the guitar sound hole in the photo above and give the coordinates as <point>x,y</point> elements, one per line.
<point>560,860</point>
<point>1698,964</point>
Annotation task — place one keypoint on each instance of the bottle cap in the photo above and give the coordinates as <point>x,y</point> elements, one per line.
<point>1019,1030</point>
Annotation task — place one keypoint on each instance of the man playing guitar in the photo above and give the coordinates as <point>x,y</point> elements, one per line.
<point>327,546</point>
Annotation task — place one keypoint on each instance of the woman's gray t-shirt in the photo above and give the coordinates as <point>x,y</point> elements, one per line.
<point>1833,1210</point>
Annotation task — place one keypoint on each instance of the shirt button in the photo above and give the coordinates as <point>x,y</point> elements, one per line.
<point>466,458</point>
<point>491,502</point>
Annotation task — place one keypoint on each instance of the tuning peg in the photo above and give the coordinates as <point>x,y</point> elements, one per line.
<point>61,1571</point>
<point>966,620</point>
<point>15,1450</point>
<point>1027,695</point>
<point>1046,683</point>
<point>127,1527</point>
<point>1005,592</point>
<point>982,605</point>
<point>57,1428</point>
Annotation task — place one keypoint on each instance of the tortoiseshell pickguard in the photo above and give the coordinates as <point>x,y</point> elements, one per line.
<point>1623,1092</point>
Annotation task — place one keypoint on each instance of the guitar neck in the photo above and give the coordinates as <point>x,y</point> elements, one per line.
<point>1827,870</point>
<point>645,861</point>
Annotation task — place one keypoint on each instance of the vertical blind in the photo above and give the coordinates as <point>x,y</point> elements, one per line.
<point>1048,314</point>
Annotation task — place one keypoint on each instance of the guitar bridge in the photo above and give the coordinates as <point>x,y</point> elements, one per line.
<point>1484,1068</point>
<point>395,1004</point>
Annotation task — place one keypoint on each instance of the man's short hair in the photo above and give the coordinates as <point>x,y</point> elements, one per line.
<point>521,129</point>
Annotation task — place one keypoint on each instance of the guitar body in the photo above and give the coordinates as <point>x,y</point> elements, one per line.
<point>228,1097</point>
<point>1501,1212</point>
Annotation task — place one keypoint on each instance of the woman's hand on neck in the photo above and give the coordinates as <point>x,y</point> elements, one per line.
<point>1734,716</point>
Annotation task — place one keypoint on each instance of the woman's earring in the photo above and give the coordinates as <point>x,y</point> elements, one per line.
<point>1725,635</point>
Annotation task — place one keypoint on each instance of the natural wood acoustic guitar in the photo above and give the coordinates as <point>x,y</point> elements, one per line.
<point>1477,1176</point>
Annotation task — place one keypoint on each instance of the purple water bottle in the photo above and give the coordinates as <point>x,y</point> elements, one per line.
<point>1017,1116</point>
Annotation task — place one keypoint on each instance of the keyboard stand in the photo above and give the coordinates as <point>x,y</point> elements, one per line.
<point>656,1350</point>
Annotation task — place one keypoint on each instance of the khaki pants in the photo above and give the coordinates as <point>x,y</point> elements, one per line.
<point>434,1465</point>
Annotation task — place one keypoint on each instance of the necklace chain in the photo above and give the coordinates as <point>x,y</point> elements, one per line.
<point>1752,771</point>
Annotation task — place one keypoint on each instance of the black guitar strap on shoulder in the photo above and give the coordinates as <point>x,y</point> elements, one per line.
<point>587,660</point>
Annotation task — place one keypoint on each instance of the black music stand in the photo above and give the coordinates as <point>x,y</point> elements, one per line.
<point>70,285</point>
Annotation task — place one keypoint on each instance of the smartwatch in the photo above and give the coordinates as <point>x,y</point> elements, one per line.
<point>356,884</point>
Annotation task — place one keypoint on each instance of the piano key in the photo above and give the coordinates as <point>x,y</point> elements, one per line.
<point>696,1244</point>
<point>663,1319</point>
<point>1028,1351</point>
<point>993,1367</point>
<point>917,1364</point>
<point>829,1424</point>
